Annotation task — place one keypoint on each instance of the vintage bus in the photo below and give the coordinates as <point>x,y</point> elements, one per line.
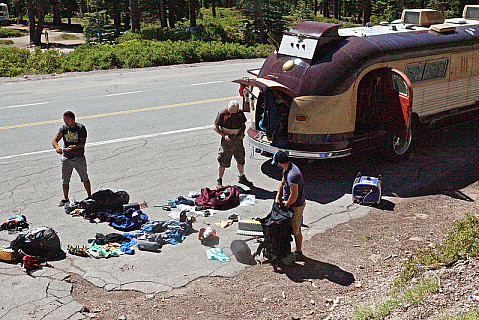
<point>325,91</point>
<point>3,12</point>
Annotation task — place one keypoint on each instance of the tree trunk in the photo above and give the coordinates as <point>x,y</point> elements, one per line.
<point>326,8</point>
<point>31,24</point>
<point>134,16</point>
<point>172,8</point>
<point>37,39</point>
<point>162,12</point>
<point>366,11</point>
<point>315,9</point>
<point>192,13</point>
<point>213,8</point>
<point>116,14</point>
<point>337,5</point>
<point>57,19</point>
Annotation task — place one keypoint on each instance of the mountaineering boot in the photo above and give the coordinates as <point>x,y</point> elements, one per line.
<point>219,183</point>
<point>242,179</point>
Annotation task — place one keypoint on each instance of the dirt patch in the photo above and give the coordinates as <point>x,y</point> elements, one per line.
<point>56,37</point>
<point>351,264</point>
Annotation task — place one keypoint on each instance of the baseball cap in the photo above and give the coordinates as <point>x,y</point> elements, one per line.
<point>280,157</point>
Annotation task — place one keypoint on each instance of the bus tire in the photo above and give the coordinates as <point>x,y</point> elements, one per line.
<point>397,149</point>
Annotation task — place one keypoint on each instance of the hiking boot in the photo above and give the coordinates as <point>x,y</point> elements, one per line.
<point>298,255</point>
<point>242,179</point>
<point>63,202</point>
<point>219,183</point>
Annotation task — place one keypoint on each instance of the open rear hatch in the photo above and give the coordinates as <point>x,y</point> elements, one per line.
<point>270,109</point>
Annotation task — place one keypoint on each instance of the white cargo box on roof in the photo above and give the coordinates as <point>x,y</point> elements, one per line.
<point>422,17</point>
<point>471,12</point>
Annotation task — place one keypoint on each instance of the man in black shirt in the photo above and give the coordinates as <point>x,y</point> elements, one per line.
<point>74,136</point>
<point>230,123</point>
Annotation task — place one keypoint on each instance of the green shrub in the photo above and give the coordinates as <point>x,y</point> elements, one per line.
<point>407,297</point>
<point>10,33</point>
<point>128,36</point>
<point>48,61</point>
<point>13,61</point>
<point>4,42</point>
<point>461,241</point>
<point>68,36</point>
<point>147,53</point>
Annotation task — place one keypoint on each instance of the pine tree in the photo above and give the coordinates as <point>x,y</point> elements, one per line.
<point>263,16</point>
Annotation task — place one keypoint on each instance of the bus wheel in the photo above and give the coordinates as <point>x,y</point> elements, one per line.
<point>397,148</point>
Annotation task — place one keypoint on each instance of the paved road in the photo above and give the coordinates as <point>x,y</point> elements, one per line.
<point>150,134</point>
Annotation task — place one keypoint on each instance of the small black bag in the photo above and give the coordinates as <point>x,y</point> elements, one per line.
<point>42,242</point>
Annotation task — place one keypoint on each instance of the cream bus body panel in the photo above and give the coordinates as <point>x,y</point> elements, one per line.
<point>326,115</point>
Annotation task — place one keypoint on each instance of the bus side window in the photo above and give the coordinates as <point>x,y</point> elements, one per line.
<point>414,71</point>
<point>435,69</point>
<point>400,85</point>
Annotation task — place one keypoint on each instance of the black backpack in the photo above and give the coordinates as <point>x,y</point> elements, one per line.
<point>106,199</point>
<point>42,242</point>
<point>277,235</point>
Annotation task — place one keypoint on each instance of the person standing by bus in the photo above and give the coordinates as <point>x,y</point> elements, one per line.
<point>230,124</point>
<point>290,196</point>
<point>74,136</point>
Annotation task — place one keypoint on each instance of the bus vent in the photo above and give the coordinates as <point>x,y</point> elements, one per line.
<point>443,28</point>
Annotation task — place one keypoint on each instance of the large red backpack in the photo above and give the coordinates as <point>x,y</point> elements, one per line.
<point>223,198</point>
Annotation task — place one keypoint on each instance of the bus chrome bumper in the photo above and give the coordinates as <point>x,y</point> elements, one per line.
<point>258,142</point>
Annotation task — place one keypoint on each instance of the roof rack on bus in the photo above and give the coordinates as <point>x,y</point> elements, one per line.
<point>422,17</point>
<point>471,12</point>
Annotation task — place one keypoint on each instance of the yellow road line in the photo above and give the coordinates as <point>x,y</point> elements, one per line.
<point>119,112</point>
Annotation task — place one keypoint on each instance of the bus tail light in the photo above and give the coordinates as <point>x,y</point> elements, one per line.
<point>301,118</point>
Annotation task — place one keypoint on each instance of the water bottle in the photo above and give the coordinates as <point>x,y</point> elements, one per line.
<point>148,245</point>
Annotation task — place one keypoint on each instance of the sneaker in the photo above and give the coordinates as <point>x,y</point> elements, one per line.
<point>219,183</point>
<point>298,255</point>
<point>242,179</point>
<point>63,202</point>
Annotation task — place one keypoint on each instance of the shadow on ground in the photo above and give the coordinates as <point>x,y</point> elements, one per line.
<point>310,269</point>
<point>444,161</point>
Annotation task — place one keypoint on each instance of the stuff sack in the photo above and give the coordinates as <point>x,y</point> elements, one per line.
<point>16,223</point>
<point>105,199</point>
<point>42,242</point>
<point>130,219</point>
<point>277,235</point>
<point>223,198</point>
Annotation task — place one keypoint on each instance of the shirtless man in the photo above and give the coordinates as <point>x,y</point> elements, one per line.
<point>230,124</point>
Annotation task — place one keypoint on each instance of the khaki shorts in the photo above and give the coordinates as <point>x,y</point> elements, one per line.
<point>297,218</point>
<point>231,148</point>
<point>79,164</point>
